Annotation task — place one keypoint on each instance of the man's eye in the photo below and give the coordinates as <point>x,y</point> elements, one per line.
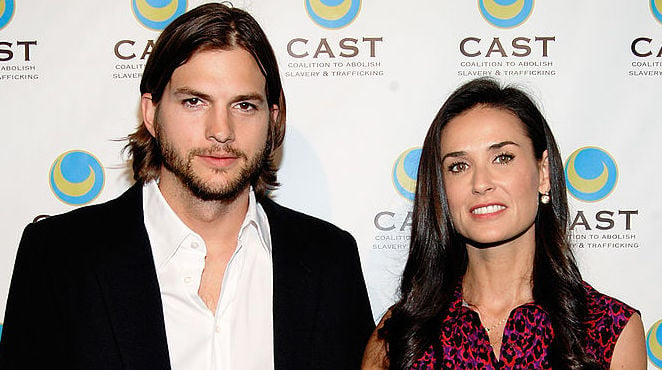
<point>246,106</point>
<point>192,102</point>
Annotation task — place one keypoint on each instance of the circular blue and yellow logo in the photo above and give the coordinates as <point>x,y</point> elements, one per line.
<point>405,172</point>
<point>157,14</point>
<point>590,174</point>
<point>333,13</point>
<point>656,8</point>
<point>6,12</point>
<point>76,177</point>
<point>654,344</point>
<point>505,13</point>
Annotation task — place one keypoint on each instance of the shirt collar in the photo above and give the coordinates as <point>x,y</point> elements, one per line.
<point>457,301</point>
<point>166,230</point>
<point>458,305</point>
<point>256,218</point>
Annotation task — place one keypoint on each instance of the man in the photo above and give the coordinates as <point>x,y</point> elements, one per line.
<point>193,267</point>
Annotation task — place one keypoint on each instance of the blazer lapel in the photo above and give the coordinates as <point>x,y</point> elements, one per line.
<point>295,289</point>
<point>130,289</point>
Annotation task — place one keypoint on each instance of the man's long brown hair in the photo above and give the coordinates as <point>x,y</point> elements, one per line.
<point>208,27</point>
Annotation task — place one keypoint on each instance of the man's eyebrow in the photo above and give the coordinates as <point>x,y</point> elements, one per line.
<point>251,96</point>
<point>192,92</point>
<point>260,98</point>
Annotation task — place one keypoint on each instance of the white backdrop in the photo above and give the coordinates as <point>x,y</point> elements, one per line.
<point>363,80</point>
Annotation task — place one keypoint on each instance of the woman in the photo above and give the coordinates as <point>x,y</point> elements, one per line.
<point>491,281</point>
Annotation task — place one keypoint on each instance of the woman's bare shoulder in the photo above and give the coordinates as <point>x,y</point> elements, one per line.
<point>374,356</point>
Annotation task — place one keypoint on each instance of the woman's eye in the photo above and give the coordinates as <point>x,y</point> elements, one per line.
<point>457,167</point>
<point>504,158</point>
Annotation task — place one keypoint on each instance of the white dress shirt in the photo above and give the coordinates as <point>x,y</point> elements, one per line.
<point>239,335</point>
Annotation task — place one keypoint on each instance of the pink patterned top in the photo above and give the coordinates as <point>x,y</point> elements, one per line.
<point>527,336</point>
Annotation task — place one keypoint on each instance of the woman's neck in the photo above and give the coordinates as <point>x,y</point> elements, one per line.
<point>500,277</point>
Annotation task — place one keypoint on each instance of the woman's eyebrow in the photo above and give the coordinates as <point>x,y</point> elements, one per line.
<point>502,144</point>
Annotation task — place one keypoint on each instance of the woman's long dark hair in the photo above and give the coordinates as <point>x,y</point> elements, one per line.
<point>438,257</point>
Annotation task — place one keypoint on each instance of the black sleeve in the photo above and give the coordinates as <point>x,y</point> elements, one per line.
<point>33,330</point>
<point>348,320</point>
<point>361,321</point>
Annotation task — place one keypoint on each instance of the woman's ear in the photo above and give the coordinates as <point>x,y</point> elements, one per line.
<point>543,174</point>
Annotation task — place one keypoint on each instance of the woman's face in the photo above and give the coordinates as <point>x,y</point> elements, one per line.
<point>491,176</point>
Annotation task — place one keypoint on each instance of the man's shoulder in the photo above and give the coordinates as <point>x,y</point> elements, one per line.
<point>95,216</point>
<point>283,216</point>
<point>311,236</point>
<point>299,239</point>
<point>79,235</point>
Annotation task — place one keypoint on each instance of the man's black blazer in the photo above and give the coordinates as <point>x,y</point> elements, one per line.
<point>84,293</point>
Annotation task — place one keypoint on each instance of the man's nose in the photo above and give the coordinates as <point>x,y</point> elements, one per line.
<point>219,127</point>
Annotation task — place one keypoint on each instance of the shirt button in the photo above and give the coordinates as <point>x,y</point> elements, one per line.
<point>218,328</point>
<point>195,245</point>
<point>188,280</point>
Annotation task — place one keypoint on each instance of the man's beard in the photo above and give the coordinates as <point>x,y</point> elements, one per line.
<point>182,167</point>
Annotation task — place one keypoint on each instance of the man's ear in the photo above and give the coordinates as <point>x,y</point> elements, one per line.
<point>543,172</point>
<point>148,109</point>
<point>275,111</point>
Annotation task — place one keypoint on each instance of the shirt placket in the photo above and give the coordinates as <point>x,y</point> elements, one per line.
<point>224,312</point>
<point>193,253</point>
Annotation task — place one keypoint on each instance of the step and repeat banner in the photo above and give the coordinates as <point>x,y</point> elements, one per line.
<point>363,80</point>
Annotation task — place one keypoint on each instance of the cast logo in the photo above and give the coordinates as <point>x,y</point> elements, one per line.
<point>643,46</point>
<point>76,177</point>
<point>157,14</point>
<point>6,12</point>
<point>656,8</point>
<point>654,344</point>
<point>405,172</point>
<point>591,174</point>
<point>506,13</point>
<point>333,14</point>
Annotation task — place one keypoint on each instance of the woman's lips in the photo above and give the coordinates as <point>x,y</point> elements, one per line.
<point>487,209</point>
